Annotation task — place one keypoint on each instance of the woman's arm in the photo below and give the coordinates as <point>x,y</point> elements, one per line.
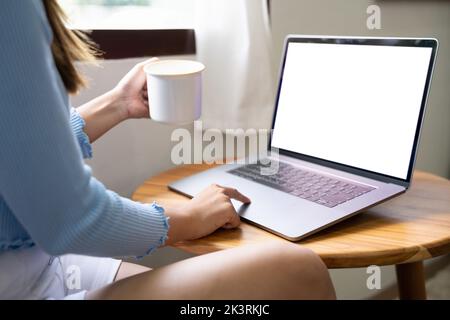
<point>43,179</point>
<point>101,114</point>
<point>128,100</point>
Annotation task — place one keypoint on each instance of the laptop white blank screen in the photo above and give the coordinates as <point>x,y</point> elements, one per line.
<point>356,105</point>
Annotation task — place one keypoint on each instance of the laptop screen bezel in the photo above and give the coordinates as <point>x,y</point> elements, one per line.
<point>406,42</point>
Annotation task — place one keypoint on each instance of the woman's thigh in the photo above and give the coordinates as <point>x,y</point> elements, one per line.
<point>271,270</point>
<point>128,269</point>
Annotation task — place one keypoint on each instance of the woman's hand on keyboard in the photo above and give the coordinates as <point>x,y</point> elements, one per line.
<point>210,210</point>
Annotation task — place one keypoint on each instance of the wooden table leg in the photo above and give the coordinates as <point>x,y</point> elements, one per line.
<point>411,281</point>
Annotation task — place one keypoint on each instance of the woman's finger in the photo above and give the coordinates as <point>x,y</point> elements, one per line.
<point>231,226</point>
<point>144,63</point>
<point>234,194</point>
<point>233,223</point>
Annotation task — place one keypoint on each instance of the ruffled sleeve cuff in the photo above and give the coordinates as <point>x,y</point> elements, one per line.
<point>160,228</point>
<point>77,123</point>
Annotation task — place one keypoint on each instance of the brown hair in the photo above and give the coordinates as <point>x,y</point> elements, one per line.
<point>68,46</point>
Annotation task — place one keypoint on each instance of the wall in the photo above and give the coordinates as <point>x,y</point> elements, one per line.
<point>418,18</point>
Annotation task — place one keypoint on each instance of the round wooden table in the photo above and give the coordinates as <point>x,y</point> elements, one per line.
<point>403,231</point>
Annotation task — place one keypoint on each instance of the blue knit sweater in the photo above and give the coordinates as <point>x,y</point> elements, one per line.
<point>48,196</point>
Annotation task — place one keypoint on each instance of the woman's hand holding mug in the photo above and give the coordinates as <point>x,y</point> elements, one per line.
<point>173,88</point>
<point>131,91</point>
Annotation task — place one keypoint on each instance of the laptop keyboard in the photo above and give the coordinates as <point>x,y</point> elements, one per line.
<point>305,184</point>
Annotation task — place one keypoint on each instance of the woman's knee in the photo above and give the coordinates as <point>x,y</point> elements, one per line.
<point>303,268</point>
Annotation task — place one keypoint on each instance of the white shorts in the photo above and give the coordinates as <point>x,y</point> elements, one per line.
<point>33,274</point>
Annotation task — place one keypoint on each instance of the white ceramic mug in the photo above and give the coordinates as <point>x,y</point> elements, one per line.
<point>174,90</point>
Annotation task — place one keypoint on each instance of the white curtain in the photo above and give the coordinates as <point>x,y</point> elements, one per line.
<point>234,42</point>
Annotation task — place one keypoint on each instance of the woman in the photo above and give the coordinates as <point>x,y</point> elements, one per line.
<point>51,207</point>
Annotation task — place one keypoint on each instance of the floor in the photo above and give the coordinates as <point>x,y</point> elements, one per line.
<point>438,284</point>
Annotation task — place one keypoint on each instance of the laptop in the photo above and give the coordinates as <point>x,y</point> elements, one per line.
<point>346,124</point>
